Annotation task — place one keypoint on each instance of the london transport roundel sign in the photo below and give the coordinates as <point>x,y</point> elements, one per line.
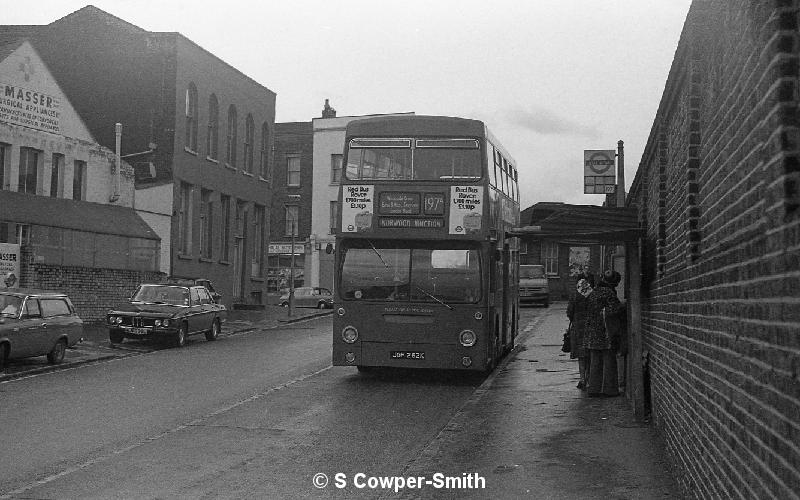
<point>598,162</point>
<point>599,176</point>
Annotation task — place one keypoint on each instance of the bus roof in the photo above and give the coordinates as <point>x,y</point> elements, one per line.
<point>394,126</point>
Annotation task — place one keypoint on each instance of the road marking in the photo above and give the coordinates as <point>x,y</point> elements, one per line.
<point>197,421</point>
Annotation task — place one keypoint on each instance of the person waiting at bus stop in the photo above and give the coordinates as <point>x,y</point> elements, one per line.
<point>576,312</point>
<point>602,344</point>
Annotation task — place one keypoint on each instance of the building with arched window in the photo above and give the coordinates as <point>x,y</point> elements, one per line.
<point>209,207</point>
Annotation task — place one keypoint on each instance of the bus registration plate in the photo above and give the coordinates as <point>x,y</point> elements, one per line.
<point>408,355</point>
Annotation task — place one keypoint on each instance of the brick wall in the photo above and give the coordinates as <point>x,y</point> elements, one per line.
<point>93,291</point>
<point>717,191</point>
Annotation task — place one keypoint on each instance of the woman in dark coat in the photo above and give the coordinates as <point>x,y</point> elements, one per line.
<point>576,312</point>
<point>602,345</point>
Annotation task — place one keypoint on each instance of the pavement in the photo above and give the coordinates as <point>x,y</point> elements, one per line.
<point>529,432</point>
<point>96,346</point>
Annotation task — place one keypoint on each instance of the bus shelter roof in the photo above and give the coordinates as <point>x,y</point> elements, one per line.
<point>579,223</point>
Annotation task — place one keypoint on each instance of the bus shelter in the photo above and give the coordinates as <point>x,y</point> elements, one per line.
<point>606,226</point>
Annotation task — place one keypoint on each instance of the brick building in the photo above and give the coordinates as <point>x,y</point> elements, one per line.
<point>718,193</point>
<point>197,131</point>
<point>66,210</point>
<point>291,204</point>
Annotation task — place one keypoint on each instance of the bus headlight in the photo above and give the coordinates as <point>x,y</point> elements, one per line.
<point>349,334</point>
<point>467,338</point>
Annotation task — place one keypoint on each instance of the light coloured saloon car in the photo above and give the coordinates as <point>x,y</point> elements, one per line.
<point>37,323</point>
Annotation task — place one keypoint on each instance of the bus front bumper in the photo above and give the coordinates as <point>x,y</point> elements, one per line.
<point>400,355</point>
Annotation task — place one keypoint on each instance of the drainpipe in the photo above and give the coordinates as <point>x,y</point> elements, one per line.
<point>118,161</point>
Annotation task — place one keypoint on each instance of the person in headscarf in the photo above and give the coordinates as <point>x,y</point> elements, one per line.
<point>576,312</point>
<point>601,344</point>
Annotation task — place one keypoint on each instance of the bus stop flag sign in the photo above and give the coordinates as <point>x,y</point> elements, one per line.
<point>599,174</point>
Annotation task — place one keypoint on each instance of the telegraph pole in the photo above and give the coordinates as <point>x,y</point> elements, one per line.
<point>620,174</point>
<point>291,272</point>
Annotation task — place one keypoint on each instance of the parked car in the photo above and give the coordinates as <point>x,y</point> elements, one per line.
<point>309,296</point>
<point>533,285</point>
<point>167,311</point>
<point>35,323</point>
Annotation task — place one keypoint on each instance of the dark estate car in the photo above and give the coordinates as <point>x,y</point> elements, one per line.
<point>35,323</point>
<point>167,311</point>
<point>309,296</point>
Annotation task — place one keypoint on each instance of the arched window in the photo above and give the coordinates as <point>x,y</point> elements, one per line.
<point>264,165</point>
<point>212,140</point>
<point>249,138</point>
<point>191,118</point>
<point>230,143</point>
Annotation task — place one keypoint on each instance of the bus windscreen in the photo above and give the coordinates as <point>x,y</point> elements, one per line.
<point>432,159</point>
<point>396,273</point>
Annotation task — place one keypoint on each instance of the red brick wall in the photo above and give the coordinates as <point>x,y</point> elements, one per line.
<point>93,291</point>
<point>717,190</point>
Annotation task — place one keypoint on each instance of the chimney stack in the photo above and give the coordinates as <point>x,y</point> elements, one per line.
<point>328,111</point>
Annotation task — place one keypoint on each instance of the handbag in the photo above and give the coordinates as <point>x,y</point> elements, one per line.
<point>566,344</point>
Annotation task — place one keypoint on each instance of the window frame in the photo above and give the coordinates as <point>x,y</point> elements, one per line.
<point>190,111</point>
<point>296,216</point>
<point>24,176</point>
<point>212,139</point>
<point>289,171</point>
<point>57,162</point>
<point>231,137</point>
<point>549,261</point>
<point>79,172</point>
<point>336,179</point>
<point>249,140</point>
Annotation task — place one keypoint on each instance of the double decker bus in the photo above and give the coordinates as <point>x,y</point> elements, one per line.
<point>426,270</point>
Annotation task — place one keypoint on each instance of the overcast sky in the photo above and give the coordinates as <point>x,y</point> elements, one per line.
<point>550,77</point>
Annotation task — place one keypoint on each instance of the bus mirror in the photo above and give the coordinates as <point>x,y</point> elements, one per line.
<point>329,248</point>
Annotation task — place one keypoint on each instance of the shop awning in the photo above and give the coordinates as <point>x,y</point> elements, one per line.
<point>70,214</point>
<point>579,223</point>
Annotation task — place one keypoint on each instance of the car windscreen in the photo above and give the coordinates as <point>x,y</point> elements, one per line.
<point>162,294</point>
<point>531,272</point>
<point>388,272</point>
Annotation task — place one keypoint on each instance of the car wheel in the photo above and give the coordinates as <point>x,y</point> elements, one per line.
<point>3,355</point>
<point>115,337</point>
<point>56,355</point>
<point>180,336</point>
<point>214,332</point>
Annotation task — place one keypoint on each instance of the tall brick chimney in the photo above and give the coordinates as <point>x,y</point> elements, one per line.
<point>328,111</point>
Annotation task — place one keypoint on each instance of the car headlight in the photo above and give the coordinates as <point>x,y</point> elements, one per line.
<point>467,338</point>
<point>165,322</point>
<point>157,322</point>
<point>111,320</point>
<point>119,320</point>
<point>349,334</point>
